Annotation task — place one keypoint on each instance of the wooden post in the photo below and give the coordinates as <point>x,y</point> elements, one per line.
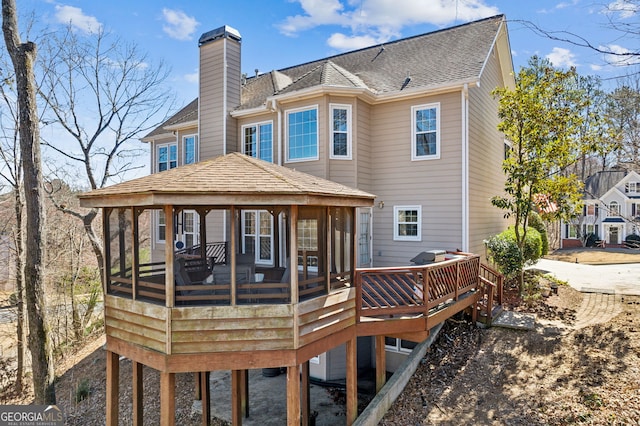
<point>137,394</point>
<point>244,391</point>
<point>352,381</point>
<point>167,397</point>
<point>169,235</point>
<point>135,267</point>
<point>233,230</point>
<point>236,398</point>
<point>381,363</point>
<point>293,394</point>
<point>306,395</point>
<point>205,394</point>
<point>113,378</point>
<point>197,378</point>
<point>293,254</point>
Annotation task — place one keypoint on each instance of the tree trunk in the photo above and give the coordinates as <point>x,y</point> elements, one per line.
<point>20,326</point>
<point>23,57</point>
<point>95,240</point>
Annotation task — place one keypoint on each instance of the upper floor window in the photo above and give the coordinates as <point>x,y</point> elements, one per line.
<point>190,149</point>
<point>161,227</point>
<point>258,141</point>
<point>590,210</point>
<point>340,131</point>
<point>167,156</point>
<point>632,187</point>
<point>302,134</point>
<point>407,222</point>
<point>614,208</point>
<point>425,132</point>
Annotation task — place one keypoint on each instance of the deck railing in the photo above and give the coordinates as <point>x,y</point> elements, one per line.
<point>398,291</point>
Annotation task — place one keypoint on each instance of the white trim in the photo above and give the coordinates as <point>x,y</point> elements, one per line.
<point>286,138</point>
<point>465,168</point>
<point>156,165</point>
<point>196,148</point>
<point>156,227</point>
<point>257,125</point>
<point>224,97</point>
<point>396,235</point>
<point>181,126</point>
<point>414,110</point>
<point>349,131</point>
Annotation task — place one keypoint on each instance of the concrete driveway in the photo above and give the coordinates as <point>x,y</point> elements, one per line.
<point>613,279</point>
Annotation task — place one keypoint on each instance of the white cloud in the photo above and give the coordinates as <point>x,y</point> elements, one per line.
<point>596,67</point>
<point>380,20</point>
<point>620,56</point>
<point>561,57</point>
<point>77,19</point>
<point>626,8</point>
<point>340,41</point>
<point>192,77</point>
<point>178,24</point>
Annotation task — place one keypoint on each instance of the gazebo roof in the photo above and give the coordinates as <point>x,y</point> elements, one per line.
<point>232,179</point>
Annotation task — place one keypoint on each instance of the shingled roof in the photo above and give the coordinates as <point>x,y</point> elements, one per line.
<point>449,56</point>
<point>595,186</point>
<point>230,179</point>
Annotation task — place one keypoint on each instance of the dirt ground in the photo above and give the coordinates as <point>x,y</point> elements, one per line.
<point>557,374</point>
<point>596,256</point>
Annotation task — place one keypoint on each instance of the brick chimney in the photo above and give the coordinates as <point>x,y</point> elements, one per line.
<point>220,81</point>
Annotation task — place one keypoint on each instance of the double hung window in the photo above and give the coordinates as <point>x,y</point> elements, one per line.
<point>258,141</point>
<point>340,131</point>
<point>167,156</point>
<point>407,223</point>
<point>190,149</point>
<point>425,132</point>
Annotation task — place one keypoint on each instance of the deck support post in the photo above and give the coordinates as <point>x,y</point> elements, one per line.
<point>306,399</point>
<point>205,397</point>
<point>236,397</point>
<point>113,378</point>
<point>293,395</point>
<point>137,394</point>
<point>244,392</point>
<point>381,363</point>
<point>167,399</point>
<point>352,380</point>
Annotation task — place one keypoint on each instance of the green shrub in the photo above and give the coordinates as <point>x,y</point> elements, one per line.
<point>633,238</point>
<point>83,390</point>
<point>536,222</point>
<point>505,253</point>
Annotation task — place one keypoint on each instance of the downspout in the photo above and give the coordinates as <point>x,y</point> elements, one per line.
<point>465,167</point>
<point>274,107</point>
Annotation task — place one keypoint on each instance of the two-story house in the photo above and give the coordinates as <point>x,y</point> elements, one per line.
<point>611,209</point>
<point>412,121</point>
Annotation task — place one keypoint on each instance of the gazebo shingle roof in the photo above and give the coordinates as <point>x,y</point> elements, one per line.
<point>230,179</point>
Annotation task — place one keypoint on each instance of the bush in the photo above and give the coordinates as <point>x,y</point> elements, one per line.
<point>633,238</point>
<point>536,222</point>
<point>592,240</point>
<point>505,253</point>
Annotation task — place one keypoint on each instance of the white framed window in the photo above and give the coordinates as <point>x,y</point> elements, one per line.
<point>302,134</point>
<point>257,235</point>
<point>392,344</point>
<point>614,208</point>
<point>632,187</point>
<point>407,223</point>
<point>167,156</point>
<point>161,226</point>
<point>257,140</point>
<point>572,231</point>
<point>340,133</point>
<point>425,132</point>
<point>190,149</point>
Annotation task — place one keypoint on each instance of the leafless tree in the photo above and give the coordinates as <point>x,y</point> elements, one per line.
<point>23,56</point>
<point>624,111</point>
<point>621,17</point>
<point>11,173</point>
<point>102,94</point>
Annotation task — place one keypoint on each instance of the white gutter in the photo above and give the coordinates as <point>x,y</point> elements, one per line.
<point>224,101</point>
<point>180,126</point>
<point>274,107</point>
<point>465,167</point>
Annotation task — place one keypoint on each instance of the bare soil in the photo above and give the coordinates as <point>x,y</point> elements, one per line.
<point>557,374</point>
<point>596,256</point>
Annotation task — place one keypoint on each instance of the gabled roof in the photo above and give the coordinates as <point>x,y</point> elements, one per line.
<point>230,179</point>
<point>595,186</point>
<point>450,56</point>
<point>185,115</point>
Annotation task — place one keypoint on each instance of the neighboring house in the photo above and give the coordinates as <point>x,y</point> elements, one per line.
<point>413,121</point>
<point>7,258</point>
<point>611,209</point>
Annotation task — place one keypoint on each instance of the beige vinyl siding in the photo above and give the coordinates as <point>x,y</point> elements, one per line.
<point>213,112</point>
<point>486,153</point>
<point>313,167</point>
<point>433,184</point>
<point>362,146</point>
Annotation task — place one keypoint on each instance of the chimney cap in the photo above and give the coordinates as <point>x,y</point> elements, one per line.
<point>222,32</point>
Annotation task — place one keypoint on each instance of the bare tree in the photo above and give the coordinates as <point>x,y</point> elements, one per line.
<point>23,56</point>
<point>621,17</point>
<point>624,111</point>
<point>103,94</point>
<point>11,172</point>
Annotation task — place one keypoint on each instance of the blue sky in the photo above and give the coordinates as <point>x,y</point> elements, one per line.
<point>281,33</point>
